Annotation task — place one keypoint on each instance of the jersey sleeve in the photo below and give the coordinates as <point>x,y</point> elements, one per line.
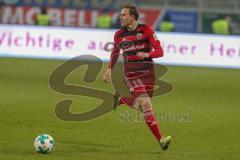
<point>155,43</point>
<point>115,52</point>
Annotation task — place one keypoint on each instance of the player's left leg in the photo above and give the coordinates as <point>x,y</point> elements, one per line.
<point>145,102</point>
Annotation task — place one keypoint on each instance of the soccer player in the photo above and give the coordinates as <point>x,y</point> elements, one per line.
<point>139,45</point>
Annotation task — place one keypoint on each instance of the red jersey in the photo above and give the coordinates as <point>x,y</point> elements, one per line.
<point>142,39</point>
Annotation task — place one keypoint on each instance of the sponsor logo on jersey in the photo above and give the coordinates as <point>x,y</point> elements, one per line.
<point>137,47</point>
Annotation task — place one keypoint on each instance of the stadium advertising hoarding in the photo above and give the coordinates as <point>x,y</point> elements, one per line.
<point>69,3</point>
<point>185,21</point>
<point>57,42</point>
<point>208,18</point>
<point>69,17</point>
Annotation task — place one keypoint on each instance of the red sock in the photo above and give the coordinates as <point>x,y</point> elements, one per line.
<point>152,124</point>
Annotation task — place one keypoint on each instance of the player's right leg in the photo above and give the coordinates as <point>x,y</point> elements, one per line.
<point>129,101</point>
<point>116,100</point>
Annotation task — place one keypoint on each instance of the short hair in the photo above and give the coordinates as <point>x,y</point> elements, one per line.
<point>132,10</point>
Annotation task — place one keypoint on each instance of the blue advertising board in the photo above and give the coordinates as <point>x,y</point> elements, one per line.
<point>86,4</point>
<point>185,21</point>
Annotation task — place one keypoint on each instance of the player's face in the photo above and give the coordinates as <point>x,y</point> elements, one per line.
<point>125,17</point>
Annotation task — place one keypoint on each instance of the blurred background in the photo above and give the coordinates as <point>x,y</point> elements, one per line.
<point>201,44</point>
<point>194,16</point>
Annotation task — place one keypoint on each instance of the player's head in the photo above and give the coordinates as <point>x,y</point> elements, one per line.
<point>129,14</point>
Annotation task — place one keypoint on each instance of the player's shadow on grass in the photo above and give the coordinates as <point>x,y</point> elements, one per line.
<point>154,152</point>
<point>88,147</point>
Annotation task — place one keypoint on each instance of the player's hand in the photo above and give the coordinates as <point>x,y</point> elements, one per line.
<point>107,75</point>
<point>142,55</point>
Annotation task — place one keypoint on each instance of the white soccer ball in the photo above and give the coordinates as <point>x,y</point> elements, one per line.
<point>44,143</point>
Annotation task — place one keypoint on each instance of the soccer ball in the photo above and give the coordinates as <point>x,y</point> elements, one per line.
<point>44,143</point>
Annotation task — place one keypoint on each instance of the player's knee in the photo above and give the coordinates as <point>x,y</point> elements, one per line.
<point>145,103</point>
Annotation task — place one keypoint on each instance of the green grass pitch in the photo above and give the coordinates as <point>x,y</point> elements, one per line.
<point>209,99</point>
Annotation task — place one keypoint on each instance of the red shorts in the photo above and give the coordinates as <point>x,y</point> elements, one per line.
<point>140,82</point>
